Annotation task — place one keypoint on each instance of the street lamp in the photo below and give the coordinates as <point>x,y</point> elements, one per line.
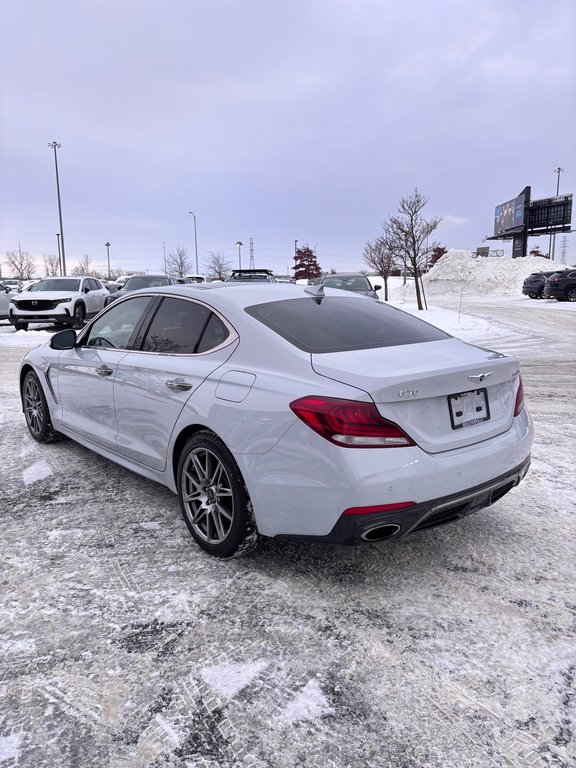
<point>239,243</point>
<point>195,240</point>
<point>107,244</point>
<point>557,171</point>
<point>59,253</point>
<point>55,146</point>
<point>164,249</point>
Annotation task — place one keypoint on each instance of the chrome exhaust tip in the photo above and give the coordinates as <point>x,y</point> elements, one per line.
<point>380,532</point>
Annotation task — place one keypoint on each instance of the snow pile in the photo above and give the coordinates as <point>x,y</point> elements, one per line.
<point>458,272</point>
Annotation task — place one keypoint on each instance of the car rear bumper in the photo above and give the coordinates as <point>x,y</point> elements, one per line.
<point>396,524</point>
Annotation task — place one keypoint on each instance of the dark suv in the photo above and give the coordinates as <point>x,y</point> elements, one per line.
<point>252,275</point>
<point>534,284</point>
<point>561,285</point>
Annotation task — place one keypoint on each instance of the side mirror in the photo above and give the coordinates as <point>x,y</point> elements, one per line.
<point>86,289</point>
<point>377,287</point>
<point>63,339</point>
<point>7,289</point>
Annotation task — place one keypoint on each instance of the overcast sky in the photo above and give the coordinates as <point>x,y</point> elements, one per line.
<point>277,120</point>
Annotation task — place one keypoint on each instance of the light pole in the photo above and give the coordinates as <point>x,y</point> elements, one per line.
<point>55,146</point>
<point>239,243</point>
<point>557,171</point>
<point>195,240</point>
<point>164,249</point>
<point>107,244</point>
<point>59,253</point>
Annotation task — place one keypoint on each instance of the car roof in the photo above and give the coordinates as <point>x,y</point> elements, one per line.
<point>237,296</point>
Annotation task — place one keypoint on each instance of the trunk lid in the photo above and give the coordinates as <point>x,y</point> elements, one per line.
<point>445,394</point>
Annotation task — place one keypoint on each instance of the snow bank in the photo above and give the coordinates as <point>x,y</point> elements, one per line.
<point>457,272</point>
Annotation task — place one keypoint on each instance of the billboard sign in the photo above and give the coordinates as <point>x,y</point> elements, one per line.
<point>510,215</point>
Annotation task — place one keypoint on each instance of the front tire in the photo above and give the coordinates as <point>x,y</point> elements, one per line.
<point>36,410</point>
<point>213,498</point>
<point>20,326</point>
<point>79,316</point>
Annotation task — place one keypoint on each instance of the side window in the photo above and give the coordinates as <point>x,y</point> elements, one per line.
<point>114,329</point>
<point>179,326</point>
<point>94,285</point>
<point>214,334</point>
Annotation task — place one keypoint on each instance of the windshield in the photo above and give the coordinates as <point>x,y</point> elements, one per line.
<point>145,281</point>
<point>58,284</point>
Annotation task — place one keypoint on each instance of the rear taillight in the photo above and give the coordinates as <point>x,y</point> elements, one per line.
<point>348,423</point>
<point>519,404</point>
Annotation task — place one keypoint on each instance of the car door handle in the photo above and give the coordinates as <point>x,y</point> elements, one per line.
<point>178,384</point>
<point>103,370</point>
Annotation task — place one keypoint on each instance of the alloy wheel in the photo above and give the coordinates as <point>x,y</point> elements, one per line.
<point>207,496</point>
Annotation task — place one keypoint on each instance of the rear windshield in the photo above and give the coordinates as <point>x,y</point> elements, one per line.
<point>145,281</point>
<point>336,324</point>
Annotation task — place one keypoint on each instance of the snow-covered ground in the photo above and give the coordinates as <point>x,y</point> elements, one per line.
<point>124,646</point>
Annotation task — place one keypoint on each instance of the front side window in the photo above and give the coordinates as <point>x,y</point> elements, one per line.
<point>115,328</point>
<point>185,328</point>
<point>335,324</point>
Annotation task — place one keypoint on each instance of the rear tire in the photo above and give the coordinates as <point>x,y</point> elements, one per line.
<point>36,410</point>
<point>213,498</point>
<point>571,294</point>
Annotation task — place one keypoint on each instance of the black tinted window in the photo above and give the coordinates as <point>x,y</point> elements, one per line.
<point>337,324</point>
<point>183,327</point>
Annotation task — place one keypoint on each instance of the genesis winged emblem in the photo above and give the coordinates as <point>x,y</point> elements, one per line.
<point>479,378</point>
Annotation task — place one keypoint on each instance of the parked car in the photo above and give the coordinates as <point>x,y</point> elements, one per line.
<point>27,285</point>
<point>533,285</point>
<point>196,279</point>
<point>4,301</point>
<point>271,411</point>
<point>349,281</point>
<point>252,275</point>
<point>137,282</point>
<point>561,285</point>
<point>59,300</point>
<point>12,283</point>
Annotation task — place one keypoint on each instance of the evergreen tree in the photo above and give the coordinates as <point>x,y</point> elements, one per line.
<point>305,265</point>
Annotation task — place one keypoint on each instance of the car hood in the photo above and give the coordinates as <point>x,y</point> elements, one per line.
<point>43,295</point>
<point>411,385</point>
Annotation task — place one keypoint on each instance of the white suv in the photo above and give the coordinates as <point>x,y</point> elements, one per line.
<point>58,300</point>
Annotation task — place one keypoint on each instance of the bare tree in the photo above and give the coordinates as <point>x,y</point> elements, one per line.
<point>21,264</point>
<point>380,259</point>
<point>83,266</point>
<point>177,263</point>
<point>218,267</point>
<point>407,237</point>
<point>51,264</point>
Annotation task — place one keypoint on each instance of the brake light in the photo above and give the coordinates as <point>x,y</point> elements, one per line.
<point>348,423</point>
<point>519,404</point>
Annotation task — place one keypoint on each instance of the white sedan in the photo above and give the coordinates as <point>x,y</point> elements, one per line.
<point>286,410</point>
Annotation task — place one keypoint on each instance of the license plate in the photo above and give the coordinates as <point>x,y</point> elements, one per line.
<point>468,408</point>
